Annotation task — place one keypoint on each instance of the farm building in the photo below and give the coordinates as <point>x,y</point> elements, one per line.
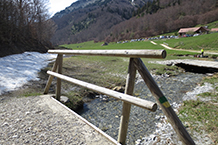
<point>199,30</point>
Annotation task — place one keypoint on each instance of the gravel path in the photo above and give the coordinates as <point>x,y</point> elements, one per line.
<point>39,120</point>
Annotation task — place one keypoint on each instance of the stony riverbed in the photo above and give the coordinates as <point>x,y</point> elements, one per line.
<point>105,112</point>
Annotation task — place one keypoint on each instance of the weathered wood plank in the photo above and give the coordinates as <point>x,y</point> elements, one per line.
<point>82,125</point>
<point>119,53</point>
<point>190,62</point>
<point>199,63</point>
<point>123,97</point>
<point>58,87</point>
<point>50,78</point>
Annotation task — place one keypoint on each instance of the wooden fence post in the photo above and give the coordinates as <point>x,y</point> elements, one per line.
<point>164,104</point>
<point>124,120</point>
<point>58,89</point>
<point>50,78</point>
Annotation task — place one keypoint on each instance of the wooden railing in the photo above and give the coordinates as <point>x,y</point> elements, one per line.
<point>135,64</point>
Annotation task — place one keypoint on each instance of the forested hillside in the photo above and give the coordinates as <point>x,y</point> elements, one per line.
<point>165,16</point>
<point>93,20</point>
<point>114,20</point>
<point>24,26</point>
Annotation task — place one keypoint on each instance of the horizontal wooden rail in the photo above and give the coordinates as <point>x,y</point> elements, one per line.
<point>145,53</point>
<point>123,97</point>
<point>135,64</point>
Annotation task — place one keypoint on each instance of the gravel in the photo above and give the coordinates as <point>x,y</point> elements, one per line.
<point>32,120</point>
<point>144,127</point>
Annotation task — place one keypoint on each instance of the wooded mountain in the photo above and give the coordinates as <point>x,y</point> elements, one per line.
<point>92,19</point>
<point>114,20</point>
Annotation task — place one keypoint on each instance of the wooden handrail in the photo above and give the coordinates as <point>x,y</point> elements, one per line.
<point>145,53</point>
<point>120,96</point>
<point>135,64</point>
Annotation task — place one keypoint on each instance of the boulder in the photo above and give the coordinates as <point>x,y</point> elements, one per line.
<point>64,99</point>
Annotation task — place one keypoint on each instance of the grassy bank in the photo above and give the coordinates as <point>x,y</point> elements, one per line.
<point>201,115</point>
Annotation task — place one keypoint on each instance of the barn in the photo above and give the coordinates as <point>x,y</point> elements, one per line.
<point>194,30</point>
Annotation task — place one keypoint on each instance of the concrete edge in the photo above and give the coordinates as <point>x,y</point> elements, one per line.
<point>83,119</point>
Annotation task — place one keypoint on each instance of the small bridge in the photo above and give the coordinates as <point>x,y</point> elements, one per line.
<point>135,64</point>
<point>193,65</point>
<point>44,120</point>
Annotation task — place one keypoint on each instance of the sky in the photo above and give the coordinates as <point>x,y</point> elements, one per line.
<point>58,5</point>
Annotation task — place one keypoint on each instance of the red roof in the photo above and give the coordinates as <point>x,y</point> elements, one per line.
<point>185,30</point>
<point>194,29</point>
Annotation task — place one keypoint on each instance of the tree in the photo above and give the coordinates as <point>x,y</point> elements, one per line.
<point>25,23</point>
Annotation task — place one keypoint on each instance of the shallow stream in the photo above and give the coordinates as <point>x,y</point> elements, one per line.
<point>105,112</point>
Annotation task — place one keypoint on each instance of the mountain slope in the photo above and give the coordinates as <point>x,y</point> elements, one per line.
<point>91,20</point>
<point>115,20</point>
<point>172,15</point>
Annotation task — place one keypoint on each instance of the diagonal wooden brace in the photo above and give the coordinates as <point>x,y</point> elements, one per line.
<point>163,103</point>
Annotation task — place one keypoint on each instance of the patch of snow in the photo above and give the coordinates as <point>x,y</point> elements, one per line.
<point>18,69</point>
<point>165,134</point>
<point>198,90</point>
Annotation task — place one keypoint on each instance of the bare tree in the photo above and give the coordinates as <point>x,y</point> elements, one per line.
<point>25,23</point>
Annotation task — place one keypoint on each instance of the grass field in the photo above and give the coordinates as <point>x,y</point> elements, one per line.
<point>130,45</point>
<point>203,115</point>
<point>113,45</point>
<point>208,41</point>
<point>210,25</point>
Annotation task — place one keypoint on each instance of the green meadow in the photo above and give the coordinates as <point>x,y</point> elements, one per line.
<point>208,41</point>
<point>130,45</point>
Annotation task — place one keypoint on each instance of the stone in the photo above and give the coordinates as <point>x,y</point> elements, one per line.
<point>64,99</point>
<point>15,136</point>
<point>5,124</point>
<point>138,142</point>
<point>27,113</point>
<point>119,89</point>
